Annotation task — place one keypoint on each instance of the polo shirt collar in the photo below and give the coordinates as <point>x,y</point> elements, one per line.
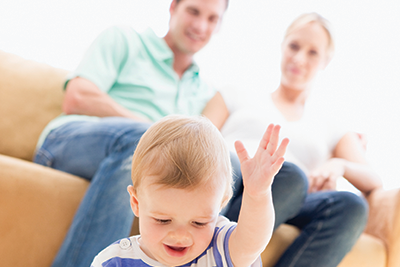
<point>156,45</point>
<point>194,68</point>
<point>160,49</point>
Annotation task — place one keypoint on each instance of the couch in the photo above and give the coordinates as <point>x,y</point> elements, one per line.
<point>38,203</point>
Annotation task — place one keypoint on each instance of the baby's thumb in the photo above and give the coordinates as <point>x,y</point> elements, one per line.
<point>241,152</point>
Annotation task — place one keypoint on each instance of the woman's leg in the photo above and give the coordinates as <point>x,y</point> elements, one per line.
<point>289,190</point>
<point>330,224</point>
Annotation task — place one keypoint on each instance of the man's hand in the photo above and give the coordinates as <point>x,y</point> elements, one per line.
<point>258,172</point>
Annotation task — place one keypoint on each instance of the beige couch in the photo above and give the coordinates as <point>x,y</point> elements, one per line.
<point>37,204</point>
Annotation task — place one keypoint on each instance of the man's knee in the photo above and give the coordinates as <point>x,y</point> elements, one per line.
<point>129,135</point>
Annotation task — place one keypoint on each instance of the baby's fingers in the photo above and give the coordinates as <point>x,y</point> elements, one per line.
<point>266,137</point>
<point>280,152</point>
<point>277,165</point>
<point>241,152</point>
<point>273,140</point>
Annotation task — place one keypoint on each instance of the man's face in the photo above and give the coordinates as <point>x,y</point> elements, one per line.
<point>193,22</point>
<point>176,225</point>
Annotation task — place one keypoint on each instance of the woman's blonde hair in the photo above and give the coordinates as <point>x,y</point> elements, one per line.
<point>183,152</point>
<point>314,17</point>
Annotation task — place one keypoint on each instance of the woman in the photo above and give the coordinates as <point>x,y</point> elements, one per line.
<point>318,145</point>
<point>323,150</point>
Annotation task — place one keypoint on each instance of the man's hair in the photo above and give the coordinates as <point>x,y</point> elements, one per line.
<point>227,3</point>
<point>183,152</point>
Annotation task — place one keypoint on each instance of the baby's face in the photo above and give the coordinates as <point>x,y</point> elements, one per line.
<point>176,225</point>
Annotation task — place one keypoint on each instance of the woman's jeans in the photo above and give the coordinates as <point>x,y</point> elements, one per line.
<point>330,221</point>
<point>101,152</point>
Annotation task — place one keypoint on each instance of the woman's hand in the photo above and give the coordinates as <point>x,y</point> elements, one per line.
<point>325,177</point>
<point>258,172</point>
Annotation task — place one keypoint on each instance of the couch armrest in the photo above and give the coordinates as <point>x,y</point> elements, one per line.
<point>384,221</point>
<point>37,207</point>
<point>31,95</point>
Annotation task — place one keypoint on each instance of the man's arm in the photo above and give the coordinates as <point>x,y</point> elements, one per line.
<point>83,97</point>
<point>256,219</point>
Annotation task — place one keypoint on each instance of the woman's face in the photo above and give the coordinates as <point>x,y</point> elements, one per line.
<point>304,53</point>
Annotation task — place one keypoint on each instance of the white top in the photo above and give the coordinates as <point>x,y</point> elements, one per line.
<point>312,139</point>
<point>127,252</point>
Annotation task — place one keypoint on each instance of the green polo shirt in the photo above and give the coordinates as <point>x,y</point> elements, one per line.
<point>136,71</point>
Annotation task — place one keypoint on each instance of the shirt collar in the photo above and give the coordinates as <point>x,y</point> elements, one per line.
<point>156,46</point>
<point>160,49</point>
<point>194,68</point>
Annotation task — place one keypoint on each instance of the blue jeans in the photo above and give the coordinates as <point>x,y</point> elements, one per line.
<point>330,221</point>
<point>289,191</point>
<point>102,154</point>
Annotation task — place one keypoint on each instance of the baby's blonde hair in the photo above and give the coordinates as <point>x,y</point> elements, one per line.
<point>314,17</point>
<point>183,152</point>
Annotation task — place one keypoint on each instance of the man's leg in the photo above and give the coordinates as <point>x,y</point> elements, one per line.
<point>289,191</point>
<point>330,224</point>
<point>100,152</point>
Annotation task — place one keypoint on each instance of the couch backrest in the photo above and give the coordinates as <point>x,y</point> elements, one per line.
<point>30,96</point>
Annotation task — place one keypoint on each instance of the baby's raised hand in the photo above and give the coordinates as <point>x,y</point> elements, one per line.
<point>258,172</point>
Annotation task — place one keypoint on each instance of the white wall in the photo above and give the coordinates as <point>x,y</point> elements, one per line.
<point>360,86</point>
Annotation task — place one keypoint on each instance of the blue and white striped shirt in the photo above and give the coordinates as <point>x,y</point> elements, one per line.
<point>127,253</point>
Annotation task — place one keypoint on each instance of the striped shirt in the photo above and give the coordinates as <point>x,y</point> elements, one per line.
<point>127,253</point>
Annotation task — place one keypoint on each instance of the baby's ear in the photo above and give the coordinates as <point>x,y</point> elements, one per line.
<point>134,200</point>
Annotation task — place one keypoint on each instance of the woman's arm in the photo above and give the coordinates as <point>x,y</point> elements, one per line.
<point>348,160</point>
<point>356,168</point>
<point>216,110</point>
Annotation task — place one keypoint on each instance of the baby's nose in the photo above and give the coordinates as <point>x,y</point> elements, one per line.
<point>180,236</point>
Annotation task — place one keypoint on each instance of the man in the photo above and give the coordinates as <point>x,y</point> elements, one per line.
<point>126,81</point>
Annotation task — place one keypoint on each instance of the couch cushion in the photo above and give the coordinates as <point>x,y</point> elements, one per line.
<point>30,96</point>
<point>368,251</point>
<point>283,236</point>
<point>37,206</point>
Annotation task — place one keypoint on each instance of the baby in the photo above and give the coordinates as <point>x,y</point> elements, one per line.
<point>181,174</point>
